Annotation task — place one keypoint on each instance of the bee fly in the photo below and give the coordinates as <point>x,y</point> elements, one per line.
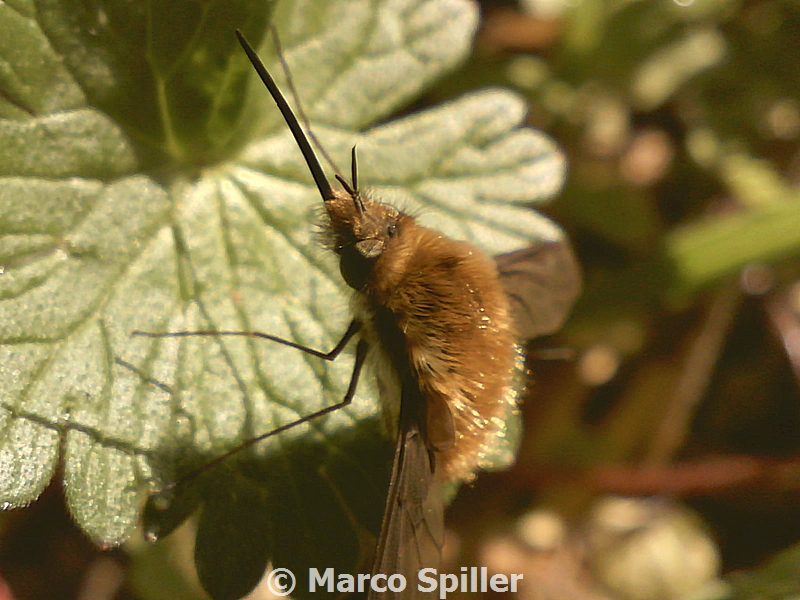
<point>438,320</point>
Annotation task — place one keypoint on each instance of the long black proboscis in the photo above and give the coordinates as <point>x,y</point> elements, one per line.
<point>324,186</point>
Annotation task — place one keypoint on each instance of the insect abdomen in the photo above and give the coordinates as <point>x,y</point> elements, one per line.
<point>455,322</point>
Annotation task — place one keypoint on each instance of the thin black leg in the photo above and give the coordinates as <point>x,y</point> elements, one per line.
<point>361,354</point>
<point>352,329</point>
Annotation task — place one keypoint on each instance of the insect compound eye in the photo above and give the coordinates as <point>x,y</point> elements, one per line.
<point>391,229</point>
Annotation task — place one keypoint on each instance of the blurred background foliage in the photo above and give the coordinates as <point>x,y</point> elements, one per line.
<point>663,460</point>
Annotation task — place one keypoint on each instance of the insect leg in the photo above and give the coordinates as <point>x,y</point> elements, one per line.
<point>287,74</point>
<point>143,376</point>
<point>361,354</point>
<point>352,329</point>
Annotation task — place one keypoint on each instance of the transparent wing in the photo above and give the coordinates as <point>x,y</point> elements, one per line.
<point>542,283</point>
<point>412,532</point>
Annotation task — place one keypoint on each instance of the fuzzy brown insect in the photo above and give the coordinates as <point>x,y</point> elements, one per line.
<point>437,319</point>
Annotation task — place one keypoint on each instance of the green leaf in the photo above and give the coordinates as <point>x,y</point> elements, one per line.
<point>148,183</point>
<point>765,229</point>
<point>778,579</point>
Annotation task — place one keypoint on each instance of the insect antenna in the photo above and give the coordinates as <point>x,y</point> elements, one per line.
<point>353,190</point>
